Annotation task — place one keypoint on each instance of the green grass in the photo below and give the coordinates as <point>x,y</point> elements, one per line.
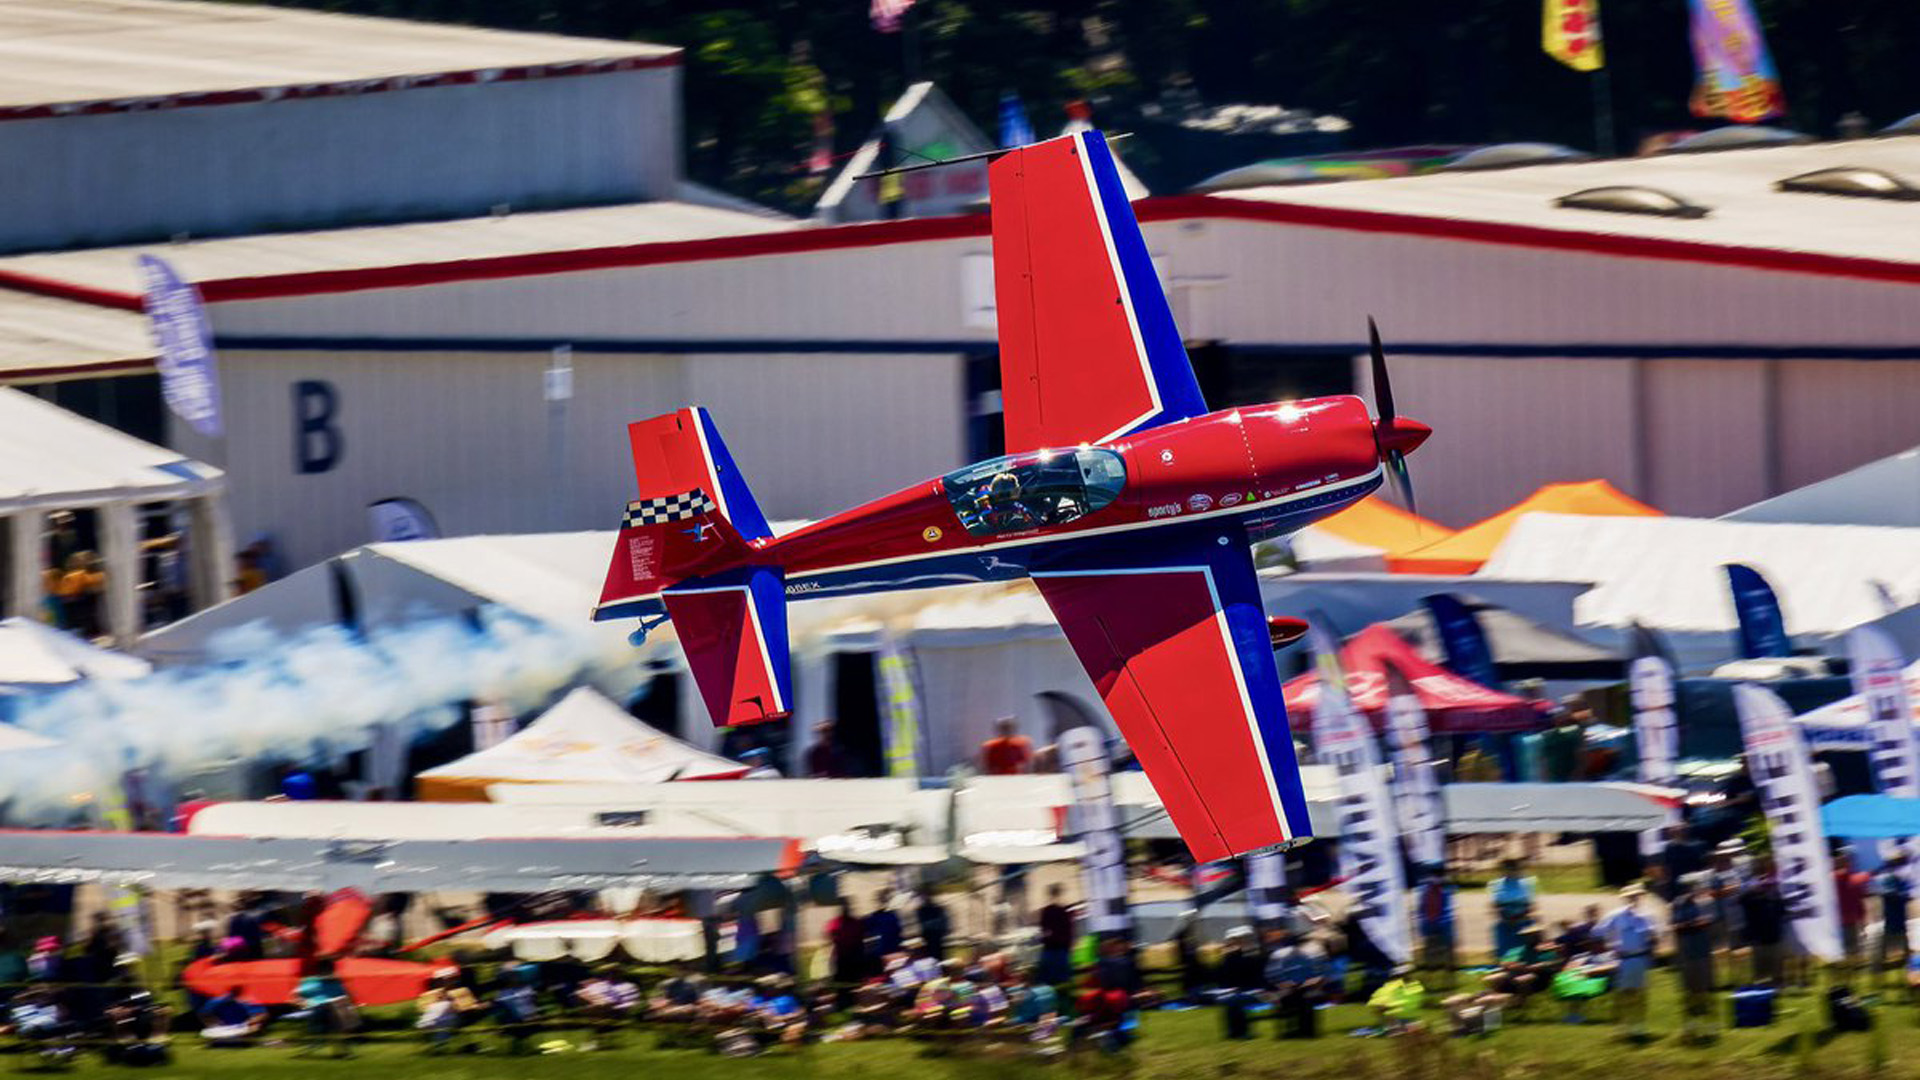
<point>1553,878</point>
<point>1175,1045</point>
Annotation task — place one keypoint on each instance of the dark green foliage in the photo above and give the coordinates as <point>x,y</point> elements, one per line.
<point>1403,71</point>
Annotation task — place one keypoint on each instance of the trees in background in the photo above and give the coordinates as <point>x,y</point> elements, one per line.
<point>766,79</point>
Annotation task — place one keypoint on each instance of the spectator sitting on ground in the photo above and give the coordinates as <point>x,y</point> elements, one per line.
<point>779,1018</point>
<point>605,999</point>
<point>1397,1003</point>
<point>444,1007</point>
<point>678,999</point>
<point>987,1002</point>
<point>230,1020</point>
<point>1475,1014</point>
<point>1034,1004</point>
<point>1584,979</point>
<point>1525,969</point>
<point>1241,974</point>
<point>1101,1014</point>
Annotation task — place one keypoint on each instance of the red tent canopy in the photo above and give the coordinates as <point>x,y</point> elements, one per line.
<point>1455,705</point>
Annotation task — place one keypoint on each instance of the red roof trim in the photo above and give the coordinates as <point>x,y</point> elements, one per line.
<point>914,230</point>
<point>67,290</point>
<point>1493,232</point>
<point>349,88</point>
<point>104,369</point>
<point>794,241</point>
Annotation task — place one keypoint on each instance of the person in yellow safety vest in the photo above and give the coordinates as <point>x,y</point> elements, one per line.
<point>1398,1001</point>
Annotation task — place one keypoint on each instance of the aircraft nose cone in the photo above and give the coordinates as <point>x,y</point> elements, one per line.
<point>1401,433</point>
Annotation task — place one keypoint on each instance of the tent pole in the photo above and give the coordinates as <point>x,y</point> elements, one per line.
<point>26,584</point>
<point>121,551</point>
<point>210,544</point>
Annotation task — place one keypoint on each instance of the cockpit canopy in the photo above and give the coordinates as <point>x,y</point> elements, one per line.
<point>1036,489</point>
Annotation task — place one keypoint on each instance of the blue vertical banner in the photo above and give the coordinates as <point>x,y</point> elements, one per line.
<point>1763,630</point>
<point>188,380</point>
<point>1462,639</point>
<point>1015,130</point>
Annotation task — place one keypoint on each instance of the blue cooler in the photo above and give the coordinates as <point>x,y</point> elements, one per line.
<point>1753,1006</point>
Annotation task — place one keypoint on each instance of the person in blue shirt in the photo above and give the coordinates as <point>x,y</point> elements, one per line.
<point>1512,897</point>
<point>517,1005</point>
<point>329,1010</point>
<point>1629,933</point>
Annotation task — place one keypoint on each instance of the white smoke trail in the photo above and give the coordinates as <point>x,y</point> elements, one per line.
<point>305,698</point>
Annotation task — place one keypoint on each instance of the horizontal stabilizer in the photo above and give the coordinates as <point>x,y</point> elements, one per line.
<point>734,633</point>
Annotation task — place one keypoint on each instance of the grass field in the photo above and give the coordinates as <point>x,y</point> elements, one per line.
<point>1175,1045</point>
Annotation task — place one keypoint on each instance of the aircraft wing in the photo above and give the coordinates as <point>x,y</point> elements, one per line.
<point>1088,348</point>
<point>1171,630</point>
<point>172,860</point>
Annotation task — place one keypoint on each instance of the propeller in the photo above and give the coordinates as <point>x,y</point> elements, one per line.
<point>1393,434</point>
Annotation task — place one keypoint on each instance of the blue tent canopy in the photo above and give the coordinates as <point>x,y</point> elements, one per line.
<point>1871,816</point>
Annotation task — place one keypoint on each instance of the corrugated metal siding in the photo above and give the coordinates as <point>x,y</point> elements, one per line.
<point>438,151</point>
<point>1836,414</point>
<point>470,436</point>
<point>1504,427</point>
<point>1706,435</point>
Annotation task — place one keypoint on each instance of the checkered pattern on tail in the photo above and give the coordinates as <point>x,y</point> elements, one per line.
<point>666,509</point>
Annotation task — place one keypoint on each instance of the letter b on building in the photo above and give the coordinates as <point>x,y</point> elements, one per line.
<point>316,441</point>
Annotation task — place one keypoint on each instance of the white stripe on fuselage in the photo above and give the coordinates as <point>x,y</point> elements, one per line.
<point>1242,510</point>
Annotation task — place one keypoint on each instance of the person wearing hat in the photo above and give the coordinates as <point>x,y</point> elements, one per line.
<point>1691,919</point>
<point>1241,975</point>
<point>759,763</point>
<point>1630,934</point>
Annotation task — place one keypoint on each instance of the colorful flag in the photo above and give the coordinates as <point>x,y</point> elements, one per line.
<point>1570,32</point>
<point>1782,771</point>
<point>1763,629</point>
<point>1369,844</point>
<point>1096,825</point>
<point>886,14</point>
<point>1736,78</point>
<point>900,705</point>
<point>1015,130</point>
<point>1462,639</point>
<point>188,380</point>
<point>1416,780</point>
<point>1656,734</point>
<point>1879,678</point>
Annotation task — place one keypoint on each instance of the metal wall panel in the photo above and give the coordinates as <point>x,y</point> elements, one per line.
<point>1707,431</point>
<point>1837,414</point>
<point>312,162</point>
<point>1504,427</point>
<point>472,437</point>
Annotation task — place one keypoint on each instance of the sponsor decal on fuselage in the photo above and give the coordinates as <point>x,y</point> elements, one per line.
<point>1169,510</point>
<point>1200,503</point>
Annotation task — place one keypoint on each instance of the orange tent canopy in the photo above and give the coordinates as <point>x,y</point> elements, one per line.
<point>1467,550</point>
<point>1376,523</point>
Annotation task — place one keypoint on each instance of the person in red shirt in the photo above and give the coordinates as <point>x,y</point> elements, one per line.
<point>1008,753</point>
<point>1850,890</point>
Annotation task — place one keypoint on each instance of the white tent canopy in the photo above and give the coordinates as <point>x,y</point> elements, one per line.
<point>1883,492</point>
<point>583,739</point>
<point>35,656</point>
<point>51,459</point>
<point>1665,573</point>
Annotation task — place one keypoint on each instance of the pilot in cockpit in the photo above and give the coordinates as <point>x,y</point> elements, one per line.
<point>1001,508</point>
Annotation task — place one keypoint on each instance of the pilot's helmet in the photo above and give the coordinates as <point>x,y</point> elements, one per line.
<point>1005,487</point>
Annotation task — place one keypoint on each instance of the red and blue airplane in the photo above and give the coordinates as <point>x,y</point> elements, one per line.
<point>1127,502</point>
